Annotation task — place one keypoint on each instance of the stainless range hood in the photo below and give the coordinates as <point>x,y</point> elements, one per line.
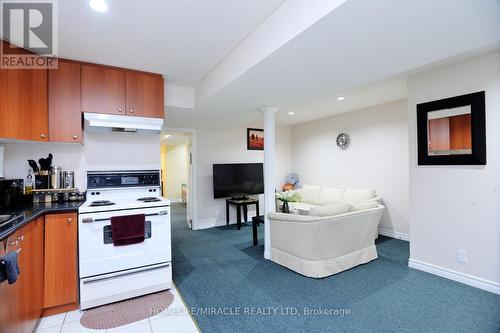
<point>122,123</point>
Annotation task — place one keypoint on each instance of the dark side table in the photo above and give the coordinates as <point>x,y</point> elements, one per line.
<point>256,221</point>
<point>241,203</point>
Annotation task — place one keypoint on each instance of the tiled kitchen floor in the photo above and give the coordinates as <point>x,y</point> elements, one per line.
<point>177,320</point>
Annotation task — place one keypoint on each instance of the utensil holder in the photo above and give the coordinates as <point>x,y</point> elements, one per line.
<point>42,182</point>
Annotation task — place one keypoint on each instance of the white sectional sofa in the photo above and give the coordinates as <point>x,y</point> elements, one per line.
<point>338,233</point>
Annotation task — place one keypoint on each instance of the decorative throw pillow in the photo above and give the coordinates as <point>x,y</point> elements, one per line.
<point>329,210</point>
<point>310,194</point>
<point>363,205</point>
<point>330,195</point>
<point>353,196</point>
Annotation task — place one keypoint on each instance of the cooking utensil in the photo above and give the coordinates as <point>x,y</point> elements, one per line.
<point>45,163</point>
<point>33,166</point>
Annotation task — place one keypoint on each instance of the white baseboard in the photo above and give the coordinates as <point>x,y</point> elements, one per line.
<point>205,224</point>
<point>214,222</point>
<point>210,223</point>
<point>470,280</point>
<point>394,234</point>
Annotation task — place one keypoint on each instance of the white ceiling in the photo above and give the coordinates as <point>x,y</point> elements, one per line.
<point>182,39</point>
<point>359,43</point>
<point>361,49</point>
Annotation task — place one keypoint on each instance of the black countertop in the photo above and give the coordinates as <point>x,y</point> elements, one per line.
<point>31,212</point>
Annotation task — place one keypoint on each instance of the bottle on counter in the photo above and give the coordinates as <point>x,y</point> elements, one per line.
<point>28,186</point>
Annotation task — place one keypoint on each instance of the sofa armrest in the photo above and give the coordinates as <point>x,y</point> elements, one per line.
<point>307,219</point>
<point>378,199</point>
<point>292,217</point>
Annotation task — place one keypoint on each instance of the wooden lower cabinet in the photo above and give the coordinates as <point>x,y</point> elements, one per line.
<point>7,305</point>
<point>48,279</point>
<point>60,268</point>
<point>23,302</point>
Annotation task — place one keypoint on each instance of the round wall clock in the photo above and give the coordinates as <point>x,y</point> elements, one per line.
<point>343,140</point>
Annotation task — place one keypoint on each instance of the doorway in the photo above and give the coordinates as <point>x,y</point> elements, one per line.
<point>177,174</point>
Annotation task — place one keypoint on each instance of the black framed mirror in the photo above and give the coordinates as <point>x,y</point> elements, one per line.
<point>452,131</point>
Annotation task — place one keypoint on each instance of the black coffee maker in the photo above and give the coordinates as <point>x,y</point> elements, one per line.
<point>11,193</point>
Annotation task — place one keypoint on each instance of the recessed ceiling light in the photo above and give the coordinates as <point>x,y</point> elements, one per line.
<point>99,5</point>
<point>340,98</point>
<point>167,136</point>
<point>291,113</point>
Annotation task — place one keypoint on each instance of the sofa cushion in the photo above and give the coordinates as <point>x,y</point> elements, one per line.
<point>329,210</point>
<point>329,195</point>
<point>353,196</point>
<point>310,194</point>
<point>362,205</point>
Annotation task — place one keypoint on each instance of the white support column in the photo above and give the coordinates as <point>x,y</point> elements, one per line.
<point>269,173</point>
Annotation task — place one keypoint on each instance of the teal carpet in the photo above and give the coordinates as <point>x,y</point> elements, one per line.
<point>219,273</point>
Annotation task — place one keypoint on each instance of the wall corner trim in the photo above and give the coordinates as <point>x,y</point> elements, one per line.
<point>467,279</point>
<point>394,234</point>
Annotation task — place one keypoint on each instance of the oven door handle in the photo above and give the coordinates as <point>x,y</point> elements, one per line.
<point>90,220</point>
<point>128,272</point>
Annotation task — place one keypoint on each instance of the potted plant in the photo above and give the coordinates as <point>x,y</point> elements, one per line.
<point>286,197</point>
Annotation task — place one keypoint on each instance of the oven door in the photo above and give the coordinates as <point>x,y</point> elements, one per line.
<point>98,255</point>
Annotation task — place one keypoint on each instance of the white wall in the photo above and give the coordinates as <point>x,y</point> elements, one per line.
<point>458,207</point>
<point>230,146</point>
<point>177,172</point>
<point>377,157</point>
<point>101,151</point>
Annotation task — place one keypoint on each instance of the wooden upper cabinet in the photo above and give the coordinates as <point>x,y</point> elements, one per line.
<point>65,107</point>
<point>460,132</point>
<point>144,95</point>
<point>439,134</point>
<point>23,104</point>
<point>103,90</point>
<point>60,269</point>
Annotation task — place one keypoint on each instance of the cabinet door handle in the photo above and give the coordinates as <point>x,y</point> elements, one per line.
<point>43,136</point>
<point>75,137</point>
<point>131,111</point>
<point>70,220</point>
<point>120,109</point>
<point>16,241</point>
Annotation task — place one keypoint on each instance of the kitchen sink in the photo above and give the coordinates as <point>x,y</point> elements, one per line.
<point>5,218</point>
<point>7,221</point>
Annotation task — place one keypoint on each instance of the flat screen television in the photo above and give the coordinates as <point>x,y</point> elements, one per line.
<point>238,179</point>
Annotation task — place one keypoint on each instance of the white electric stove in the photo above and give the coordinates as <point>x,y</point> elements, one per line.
<point>111,273</point>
